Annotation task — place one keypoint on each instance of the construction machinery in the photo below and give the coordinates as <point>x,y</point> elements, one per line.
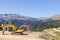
<point>15,30</point>
<point>7,26</point>
<point>25,26</point>
<point>20,29</point>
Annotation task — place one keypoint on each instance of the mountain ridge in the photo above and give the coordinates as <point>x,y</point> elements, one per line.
<point>17,19</point>
<point>16,16</point>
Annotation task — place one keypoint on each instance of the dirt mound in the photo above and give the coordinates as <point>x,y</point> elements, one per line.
<point>50,34</point>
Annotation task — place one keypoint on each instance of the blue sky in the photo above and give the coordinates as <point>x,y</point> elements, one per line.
<point>32,8</point>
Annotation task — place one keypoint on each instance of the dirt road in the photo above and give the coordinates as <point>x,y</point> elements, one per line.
<point>30,36</point>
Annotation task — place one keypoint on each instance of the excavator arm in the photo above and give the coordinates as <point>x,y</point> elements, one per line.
<point>27,26</point>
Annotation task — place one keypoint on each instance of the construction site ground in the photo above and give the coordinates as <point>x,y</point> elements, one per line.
<point>30,36</point>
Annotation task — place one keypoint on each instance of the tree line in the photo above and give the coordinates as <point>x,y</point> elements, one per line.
<point>41,25</point>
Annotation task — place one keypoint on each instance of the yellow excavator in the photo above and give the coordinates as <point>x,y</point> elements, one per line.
<point>15,30</point>
<point>20,29</point>
<point>5,27</point>
<point>8,25</point>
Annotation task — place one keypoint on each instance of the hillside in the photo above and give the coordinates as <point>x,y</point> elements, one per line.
<point>35,22</point>
<point>46,23</point>
<point>40,25</point>
<point>56,17</point>
<point>17,19</point>
<point>51,34</point>
<point>16,16</point>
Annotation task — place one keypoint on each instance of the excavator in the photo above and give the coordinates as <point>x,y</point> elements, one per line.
<point>15,30</point>
<point>6,26</point>
<point>20,29</point>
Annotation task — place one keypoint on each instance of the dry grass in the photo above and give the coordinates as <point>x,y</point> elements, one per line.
<point>50,34</point>
<point>58,35</point>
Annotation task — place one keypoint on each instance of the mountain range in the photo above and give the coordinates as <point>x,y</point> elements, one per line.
<point>16,16</point>
<point>56,17</point>
<point>19,19</point>
<point>52,22</point>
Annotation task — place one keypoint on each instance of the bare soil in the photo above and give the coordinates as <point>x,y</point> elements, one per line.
<point>30,36</point>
